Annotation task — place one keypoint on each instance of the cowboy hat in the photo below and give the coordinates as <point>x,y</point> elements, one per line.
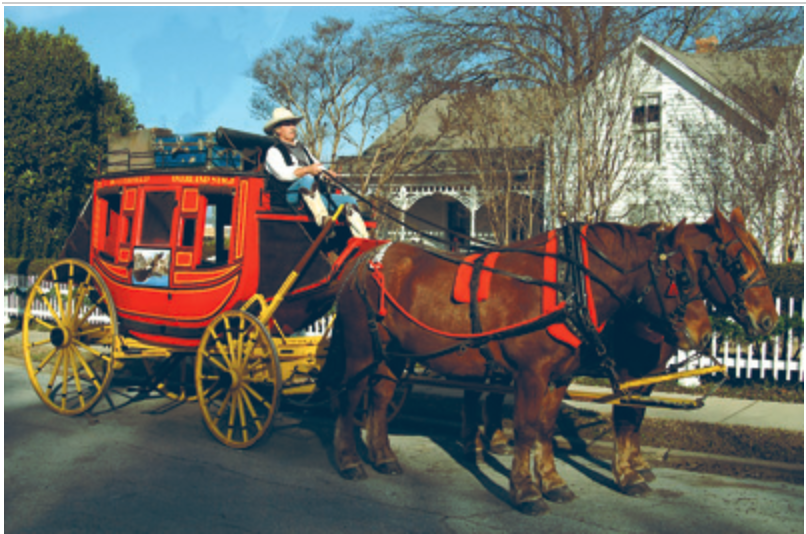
<point>280,115</point>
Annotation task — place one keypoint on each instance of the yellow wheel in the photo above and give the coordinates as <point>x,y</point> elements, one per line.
<point>69,337</point>
<point>238,379</point>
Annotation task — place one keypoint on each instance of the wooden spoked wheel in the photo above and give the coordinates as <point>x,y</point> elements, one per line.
<point>69,336</point>
<point>238,379</point>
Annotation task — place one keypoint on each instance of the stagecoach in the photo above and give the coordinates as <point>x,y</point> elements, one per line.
<point>200,269</point>
<point>186,250</point>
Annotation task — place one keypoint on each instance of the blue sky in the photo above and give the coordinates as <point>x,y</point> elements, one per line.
<point>185,68</point>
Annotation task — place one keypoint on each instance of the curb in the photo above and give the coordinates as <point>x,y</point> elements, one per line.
<point>690,460</point>
<point>659,457</point>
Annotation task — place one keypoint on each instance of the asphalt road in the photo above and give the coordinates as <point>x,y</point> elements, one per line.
<point>152,467</point>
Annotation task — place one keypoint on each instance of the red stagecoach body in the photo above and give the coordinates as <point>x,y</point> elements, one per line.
<point>177,245</point>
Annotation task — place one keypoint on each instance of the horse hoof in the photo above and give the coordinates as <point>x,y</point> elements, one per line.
<point>389,468</point>
<point>636,490</point>
<point>538,507</point>
<point>501,449</point>
<point>647,475</point>
<point>354,473</point>
<point>560,495</point>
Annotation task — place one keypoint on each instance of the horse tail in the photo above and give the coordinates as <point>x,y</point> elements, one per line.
<point>332,373</point>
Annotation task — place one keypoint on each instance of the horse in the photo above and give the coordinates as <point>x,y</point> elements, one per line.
<point>407,288</point>
<point>733,279</point>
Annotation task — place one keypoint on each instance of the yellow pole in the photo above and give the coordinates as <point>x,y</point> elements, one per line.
<point>267,313</point>
<point>674,376</point>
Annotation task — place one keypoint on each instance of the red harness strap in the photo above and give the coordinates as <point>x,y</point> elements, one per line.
<point>461,288</point>
<point>559,331</point>
<point>375,269</point>
<point>378,277</point>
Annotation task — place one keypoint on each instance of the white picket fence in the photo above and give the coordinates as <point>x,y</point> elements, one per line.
<point>779,359</point>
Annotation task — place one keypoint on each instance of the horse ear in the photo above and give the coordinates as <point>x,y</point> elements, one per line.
<point>649,229</point>
<point>723,227</point>
<point>737,217</point>
<point>678,232</point>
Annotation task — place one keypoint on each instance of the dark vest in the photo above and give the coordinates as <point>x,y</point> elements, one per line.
<point>299,151</point>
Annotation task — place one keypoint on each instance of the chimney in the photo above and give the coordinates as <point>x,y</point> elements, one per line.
<point>706,45</point>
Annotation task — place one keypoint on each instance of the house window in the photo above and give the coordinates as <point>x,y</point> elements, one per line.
<point>646,131</point>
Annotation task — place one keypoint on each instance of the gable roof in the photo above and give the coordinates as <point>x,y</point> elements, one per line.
<point>759,81</point>
<point>429,126</point>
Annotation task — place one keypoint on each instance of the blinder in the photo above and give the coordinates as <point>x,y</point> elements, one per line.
<point>743,279</point>
<point>681,282</point>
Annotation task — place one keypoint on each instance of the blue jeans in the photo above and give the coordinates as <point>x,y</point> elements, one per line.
<point>331,201</point>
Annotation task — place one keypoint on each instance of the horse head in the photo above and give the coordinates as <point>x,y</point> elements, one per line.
<point>672,294</point>
<point>736,279</point>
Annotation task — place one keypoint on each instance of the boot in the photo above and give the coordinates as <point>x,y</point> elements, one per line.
<point>356,222</point>
<point>316,206</point>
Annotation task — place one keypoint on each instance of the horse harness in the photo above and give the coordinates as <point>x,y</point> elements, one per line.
<point>575,311</point>
<point>737,268</point>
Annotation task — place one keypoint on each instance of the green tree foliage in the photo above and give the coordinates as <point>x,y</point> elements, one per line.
<point>58,111</point>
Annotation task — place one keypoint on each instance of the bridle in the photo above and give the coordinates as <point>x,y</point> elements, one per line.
<point>717,257</point>
<point>681,281</point>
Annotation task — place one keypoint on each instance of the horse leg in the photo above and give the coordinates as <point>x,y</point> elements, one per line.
<point>379,449</point>
<point>471,419</point>
<point>524,492</point>
<point>348,462</point>
<point>345,400</point>
<point>554,488</point>
<point>495,440</point>
<point>630,470</point>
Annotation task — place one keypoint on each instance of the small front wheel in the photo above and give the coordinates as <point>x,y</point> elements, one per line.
<point>69,337</point>
<point>238,379</point>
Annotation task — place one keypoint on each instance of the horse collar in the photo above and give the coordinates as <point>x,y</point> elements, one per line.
<point>377,259</point>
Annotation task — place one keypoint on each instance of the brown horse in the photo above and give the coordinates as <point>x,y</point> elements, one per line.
<point>732,277</point>
<point>419,318</point>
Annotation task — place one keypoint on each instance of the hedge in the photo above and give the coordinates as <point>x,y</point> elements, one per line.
<point>786,280</point>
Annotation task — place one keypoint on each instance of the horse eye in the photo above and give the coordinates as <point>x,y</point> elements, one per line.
<point>739,266</point>
<point>684,280</point>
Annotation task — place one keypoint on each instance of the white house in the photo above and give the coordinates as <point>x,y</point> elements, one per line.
<point>636,135</point>
<point>685,131</point>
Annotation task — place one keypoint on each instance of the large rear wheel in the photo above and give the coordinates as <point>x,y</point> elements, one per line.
<point>238,379</point>
<point>69,336</point>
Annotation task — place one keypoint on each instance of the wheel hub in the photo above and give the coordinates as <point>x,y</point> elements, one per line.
<point>60,337</point>
<point>235,376</point>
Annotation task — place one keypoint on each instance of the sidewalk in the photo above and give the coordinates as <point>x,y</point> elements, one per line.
<point>759,414</point>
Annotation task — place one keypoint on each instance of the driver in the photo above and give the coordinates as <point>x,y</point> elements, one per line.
<point>290,162</point>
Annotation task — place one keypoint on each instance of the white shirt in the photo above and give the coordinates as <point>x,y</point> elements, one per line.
<point>275,165</point>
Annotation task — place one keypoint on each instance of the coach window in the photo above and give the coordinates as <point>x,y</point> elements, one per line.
<point>158,218</point>
<point>115,226</point>
<point>217,227</point>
